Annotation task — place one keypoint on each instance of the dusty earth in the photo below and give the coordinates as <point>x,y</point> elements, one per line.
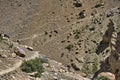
<point>54,28</point>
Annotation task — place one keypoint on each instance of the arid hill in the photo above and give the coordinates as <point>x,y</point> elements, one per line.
<point>77,33</point>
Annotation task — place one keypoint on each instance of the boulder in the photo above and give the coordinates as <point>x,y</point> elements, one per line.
<point>13,55</point>
<point>20,52</point>
<point>29,48</point>
<point>108,75</point>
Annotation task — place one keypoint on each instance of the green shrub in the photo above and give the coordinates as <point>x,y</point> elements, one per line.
<point>95,65</point>
<point>86,67</point>
<point>34,65</point>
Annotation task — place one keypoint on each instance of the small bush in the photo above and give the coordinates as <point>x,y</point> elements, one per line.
<point>69,47</point>
<point>77,34</point>
<point>99,4</point>
<point>34,65</point>
<point>86,67</point>
<point>95,65</point>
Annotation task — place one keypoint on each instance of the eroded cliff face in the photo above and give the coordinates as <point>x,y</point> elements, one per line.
<point>114,58</point>
<point>111,39</point>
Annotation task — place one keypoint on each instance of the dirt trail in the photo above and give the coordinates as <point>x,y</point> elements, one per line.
<point>87,18</point>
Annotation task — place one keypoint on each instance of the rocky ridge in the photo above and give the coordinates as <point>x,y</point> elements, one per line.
<point>53,69</point>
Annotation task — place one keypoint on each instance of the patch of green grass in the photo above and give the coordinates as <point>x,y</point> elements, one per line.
<point>34,65</point>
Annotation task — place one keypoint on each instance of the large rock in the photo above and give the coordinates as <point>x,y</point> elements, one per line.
<point>108,75</point>
<point>13,55</point>
<point>20,52</point>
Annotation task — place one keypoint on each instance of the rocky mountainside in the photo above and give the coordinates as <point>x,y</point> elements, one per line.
<point>83,35</point>
<point>11,60</point>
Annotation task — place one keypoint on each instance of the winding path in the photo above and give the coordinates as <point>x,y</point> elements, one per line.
<point>89,17</point>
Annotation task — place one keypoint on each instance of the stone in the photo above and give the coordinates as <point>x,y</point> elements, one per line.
<point>97,21</point>
<point>20,52</point>
<point>37,79</point>
<point>109,75</point>
<point>83,74</point>
<point>0,61</point>
<point>4,36</point>
<point>29,48</point>
<point>62,79</point>
<point>3,56</point>
<point>45,59</point>
<point>32,74</point>
<point>114,35</point>
<point>13,55</point>
<point>46,65</point>
<point>110,14</point>
<point>61,71</point>
<point>55,78</point>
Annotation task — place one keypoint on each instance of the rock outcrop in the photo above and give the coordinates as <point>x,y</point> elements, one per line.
<point>112,62</point>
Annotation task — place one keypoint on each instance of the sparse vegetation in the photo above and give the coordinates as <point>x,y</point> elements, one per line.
<point>82,14</point>
<point>95,65</point>
<point>77,4</point>
<point>118,29</point>
<point>11,45</point>
<point>46,33</point>
<point>73,65</point>
<point>99,4</point>
<point>1,39</point>
<point>62,54</point>
<point>77,34</point>
<point>69,47</point>
<point>7,42</point>
<point>102,78</point>
<point>34,65</point>
<point>92,29</point>
<point>86,68</point>
<point>68,37</point>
